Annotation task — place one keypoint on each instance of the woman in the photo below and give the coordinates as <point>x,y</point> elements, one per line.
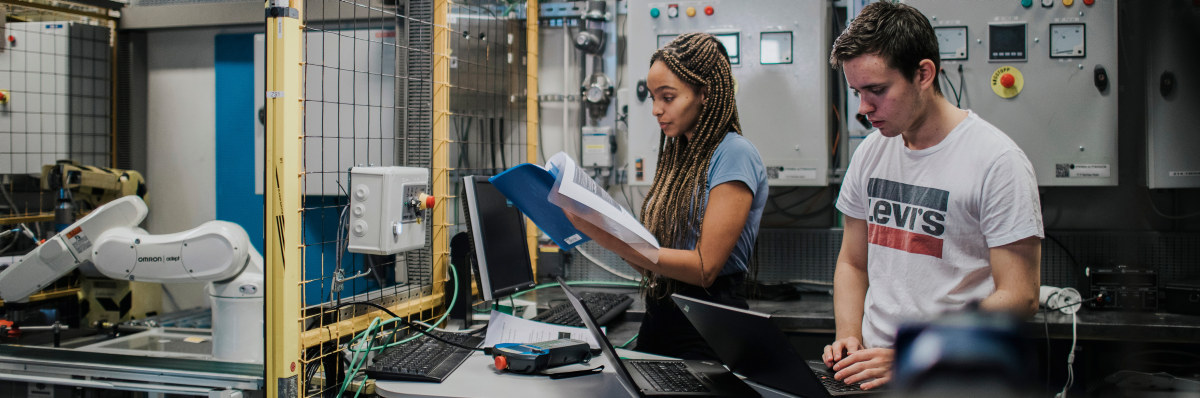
<point>707,197</point>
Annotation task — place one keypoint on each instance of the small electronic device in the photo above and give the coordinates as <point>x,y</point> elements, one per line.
<point>536,357</point>
<point>1123,288</point>
<point>498,234</point>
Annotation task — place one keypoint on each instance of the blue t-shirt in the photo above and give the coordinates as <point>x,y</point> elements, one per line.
<point>736,159</point>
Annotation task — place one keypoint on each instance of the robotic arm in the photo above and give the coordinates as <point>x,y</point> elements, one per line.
<point>218,252</point>
<point>67,250</point>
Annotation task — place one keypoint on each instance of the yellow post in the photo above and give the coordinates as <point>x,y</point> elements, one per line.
<point>531,110</point>
<point>441,139</point>
<point>284,179</point>
<point>113,98</point>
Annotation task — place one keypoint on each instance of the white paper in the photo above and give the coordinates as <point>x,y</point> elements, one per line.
<point>577,193</point>
<point>505,328</point>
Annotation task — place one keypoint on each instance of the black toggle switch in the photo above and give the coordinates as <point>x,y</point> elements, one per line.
<point>1100,78</point>
<point>1166,84</point>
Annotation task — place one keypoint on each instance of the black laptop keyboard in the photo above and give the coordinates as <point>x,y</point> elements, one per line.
<point>423,359</point>
<point>832,384</point>
<point>668,376</point>
<point>603,306</point>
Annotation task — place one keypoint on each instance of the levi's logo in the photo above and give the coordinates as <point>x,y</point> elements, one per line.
<point>906,217</point>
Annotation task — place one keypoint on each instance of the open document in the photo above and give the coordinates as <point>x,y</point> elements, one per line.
<point>505,328</point>
<point>545,193</point>
<point>577,193</point>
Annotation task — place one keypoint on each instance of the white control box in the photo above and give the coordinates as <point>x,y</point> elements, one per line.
<point>387,209</point>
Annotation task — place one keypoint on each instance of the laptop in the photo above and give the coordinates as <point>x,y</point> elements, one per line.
<point>656,378</point>
<point>751,344</point>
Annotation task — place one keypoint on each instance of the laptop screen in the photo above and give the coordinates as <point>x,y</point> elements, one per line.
<point>752,346</point>
<point>606,348</point>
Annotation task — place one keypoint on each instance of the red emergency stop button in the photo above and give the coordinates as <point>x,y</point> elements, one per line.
<point>708,10</point>
<point>1089,2</point>
<point>501,362</point>
<point>1007,80</point>
<point>425,201</point>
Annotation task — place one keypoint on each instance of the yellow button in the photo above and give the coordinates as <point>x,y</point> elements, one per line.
<point>691,11</point>
<point>1007,82</point>
<point>1068,3</point>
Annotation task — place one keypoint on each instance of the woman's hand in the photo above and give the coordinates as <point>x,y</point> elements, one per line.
<point>610,242</point>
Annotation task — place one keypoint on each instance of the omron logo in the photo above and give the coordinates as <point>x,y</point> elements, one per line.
<point>157,259</point>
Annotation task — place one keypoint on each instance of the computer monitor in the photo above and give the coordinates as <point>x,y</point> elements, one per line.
<point>498,232</point>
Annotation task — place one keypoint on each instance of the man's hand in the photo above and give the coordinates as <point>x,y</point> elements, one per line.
<point>839,349</point>
<point>874,364</point>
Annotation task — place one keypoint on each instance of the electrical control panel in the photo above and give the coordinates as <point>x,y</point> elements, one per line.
<point>778,50</point>
<point>387,209</point>
<point>1042,72</point>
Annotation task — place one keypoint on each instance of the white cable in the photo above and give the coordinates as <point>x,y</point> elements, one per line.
<point>1070,359</point>
<point>606,266</point>
<point>29,232</point>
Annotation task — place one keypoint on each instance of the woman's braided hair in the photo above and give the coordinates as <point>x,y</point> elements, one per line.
<point>673,207</point>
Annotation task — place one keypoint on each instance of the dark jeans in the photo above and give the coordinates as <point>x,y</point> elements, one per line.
<point>666,331</point>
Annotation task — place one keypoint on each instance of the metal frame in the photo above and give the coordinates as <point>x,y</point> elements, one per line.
<point>284,254</point>
<point>118,373</point>
<point>531,112</point>
<point>440,244</point>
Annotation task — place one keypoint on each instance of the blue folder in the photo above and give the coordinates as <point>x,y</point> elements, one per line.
<point>528,186</point>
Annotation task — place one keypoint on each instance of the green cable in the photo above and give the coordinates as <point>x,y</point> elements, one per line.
<point>360,388</point>
<point>631,339</point>
<point>453,299</point>
<point>574,283</point>
<point>356,362</point>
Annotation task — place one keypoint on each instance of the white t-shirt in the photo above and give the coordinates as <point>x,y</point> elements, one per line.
<point>932,215</point>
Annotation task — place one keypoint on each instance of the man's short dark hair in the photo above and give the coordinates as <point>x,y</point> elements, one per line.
<point>897,32</point>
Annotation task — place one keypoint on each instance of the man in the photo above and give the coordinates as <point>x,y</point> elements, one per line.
<point>941,207</point>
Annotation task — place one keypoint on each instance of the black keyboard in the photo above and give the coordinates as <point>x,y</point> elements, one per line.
<point>603,306</point>
<point>423,359</point>
<point>834,385</point>
<point>668,376</point>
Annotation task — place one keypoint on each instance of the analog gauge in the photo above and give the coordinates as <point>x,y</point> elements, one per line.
<point>1068,40</point>
<point>594,94</point>
<point>952,42</point>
